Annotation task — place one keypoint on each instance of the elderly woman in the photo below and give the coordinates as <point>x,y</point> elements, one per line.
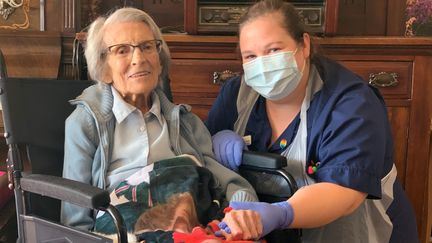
<point>125,121</point>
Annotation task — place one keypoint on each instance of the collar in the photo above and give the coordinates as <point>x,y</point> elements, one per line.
<point>121,109</point>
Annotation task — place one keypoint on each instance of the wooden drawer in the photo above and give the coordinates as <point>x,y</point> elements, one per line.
<point>192,82</point>
<point>392,78</point>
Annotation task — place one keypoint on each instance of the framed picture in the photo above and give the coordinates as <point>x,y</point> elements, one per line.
<point>22,14</point>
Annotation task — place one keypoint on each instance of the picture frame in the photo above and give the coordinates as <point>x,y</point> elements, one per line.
<point>20,17</point>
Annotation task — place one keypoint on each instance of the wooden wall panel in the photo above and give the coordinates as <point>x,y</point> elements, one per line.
<point>371,17</point>
<point>53,15</point>
<point>31,54</point>
<point>396,18</point>
<point>362,17</point>
<point>168,15</point>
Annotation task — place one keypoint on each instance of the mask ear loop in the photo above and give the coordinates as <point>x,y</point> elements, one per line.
<point>304,60</point>
<point>304,65</point>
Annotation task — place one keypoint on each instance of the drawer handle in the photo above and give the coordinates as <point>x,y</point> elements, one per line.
<point>221,77</point>
<point>383,79</point>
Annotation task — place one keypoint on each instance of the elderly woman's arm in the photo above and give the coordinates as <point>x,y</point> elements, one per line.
<point>237,188</point>
<point>80,148</point>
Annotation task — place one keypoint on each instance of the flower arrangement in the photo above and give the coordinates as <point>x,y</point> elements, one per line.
<point>419,17</point>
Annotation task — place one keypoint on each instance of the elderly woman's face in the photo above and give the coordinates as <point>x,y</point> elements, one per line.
<point>133,72</point>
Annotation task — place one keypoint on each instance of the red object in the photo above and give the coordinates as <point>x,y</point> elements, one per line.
<point>5,192</point>
<point>227,209</point>
<point>213,226</point>
<point>199,235</point>
<point>310,170</point>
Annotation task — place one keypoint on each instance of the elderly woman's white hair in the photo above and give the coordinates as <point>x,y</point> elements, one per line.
<point>95,46</point>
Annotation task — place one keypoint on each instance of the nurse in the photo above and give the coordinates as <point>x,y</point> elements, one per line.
<point>329,124</point>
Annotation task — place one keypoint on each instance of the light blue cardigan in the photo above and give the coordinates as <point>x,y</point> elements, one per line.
<point>88,138</point>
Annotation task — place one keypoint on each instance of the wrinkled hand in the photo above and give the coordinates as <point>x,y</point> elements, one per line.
<point>228,147</point>
<point>273,216</point>
<point>241,225</point>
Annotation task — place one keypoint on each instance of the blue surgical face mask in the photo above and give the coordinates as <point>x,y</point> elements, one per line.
<point>273,76</point>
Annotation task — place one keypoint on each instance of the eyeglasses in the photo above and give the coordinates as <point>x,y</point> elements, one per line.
<point>126,50</point>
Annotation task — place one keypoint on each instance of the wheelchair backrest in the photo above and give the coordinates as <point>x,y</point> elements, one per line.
<point>34,112</point>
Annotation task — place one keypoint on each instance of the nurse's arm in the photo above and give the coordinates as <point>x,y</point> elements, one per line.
<point>321,203</point>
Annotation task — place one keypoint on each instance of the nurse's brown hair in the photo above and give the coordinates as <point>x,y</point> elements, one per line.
<point>291,20</point>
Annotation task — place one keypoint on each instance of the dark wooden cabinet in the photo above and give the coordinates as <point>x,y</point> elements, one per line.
<point>371,17</point>
<point>405,66</point>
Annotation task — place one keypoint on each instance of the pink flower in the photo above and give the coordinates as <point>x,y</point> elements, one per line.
<point>420,9</point>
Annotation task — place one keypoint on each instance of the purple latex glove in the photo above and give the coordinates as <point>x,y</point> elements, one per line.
<point>228,147</point>
<point>273,216</point>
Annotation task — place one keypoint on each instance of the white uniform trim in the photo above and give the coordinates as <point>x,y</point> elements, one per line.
<point>379,223</point>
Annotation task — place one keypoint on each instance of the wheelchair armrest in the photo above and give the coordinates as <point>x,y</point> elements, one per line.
<point>263,160</point>
<point>67,190</point>
<point>75,192</point>
<point>266,163</point>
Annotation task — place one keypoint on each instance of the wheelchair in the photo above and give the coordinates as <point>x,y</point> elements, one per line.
<point>34,112</point>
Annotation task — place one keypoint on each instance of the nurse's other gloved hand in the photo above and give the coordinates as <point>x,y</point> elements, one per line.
<point>273,216</point>
<point>228,148</point>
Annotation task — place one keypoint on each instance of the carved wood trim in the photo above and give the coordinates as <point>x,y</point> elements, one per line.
<point>70,15</point>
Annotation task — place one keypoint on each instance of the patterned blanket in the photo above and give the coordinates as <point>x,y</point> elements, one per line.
<point>168,195</point>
